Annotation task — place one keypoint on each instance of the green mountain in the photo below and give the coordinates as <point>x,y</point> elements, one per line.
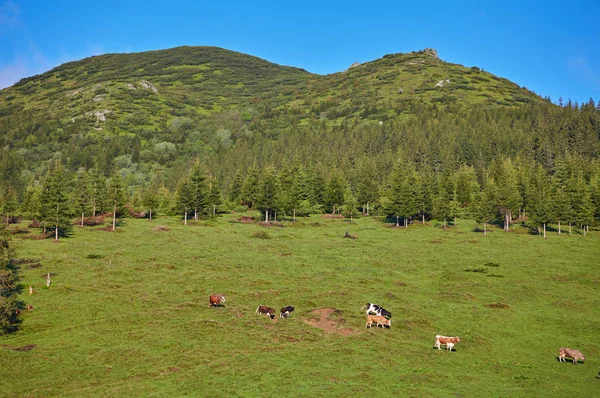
<point>126,93</point>
<point>150,114</point>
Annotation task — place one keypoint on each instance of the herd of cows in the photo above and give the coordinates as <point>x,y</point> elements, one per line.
<point>381,317</point>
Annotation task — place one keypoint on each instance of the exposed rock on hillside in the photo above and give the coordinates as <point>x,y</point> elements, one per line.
<point>432,52</point>
<point>147,84</point>
<point>354,65</point>
<point>100,115</point>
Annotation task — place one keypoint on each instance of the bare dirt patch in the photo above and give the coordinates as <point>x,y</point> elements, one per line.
<point>325,323</point>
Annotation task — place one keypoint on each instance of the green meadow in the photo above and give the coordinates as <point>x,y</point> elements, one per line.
<point>127,312</point>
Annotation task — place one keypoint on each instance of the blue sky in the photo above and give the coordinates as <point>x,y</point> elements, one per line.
<point>550,47</point>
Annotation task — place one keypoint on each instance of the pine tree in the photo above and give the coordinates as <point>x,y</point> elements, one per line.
<point>150,201</point>
<point>366,188</point>
<point>251,187</point>
<point>10,204</point>
<point>583,208</point>
<point>334,192</point>
<point>444,197</point>
<point>116,197</point>
<point>98,191</point>
<point>82,194</point>
<point>424,195</point>
<point>266,201</point>
<point>486,210</point>
<point>9,286</point>
<point>31,205</point>
<point>235,188</point>
<point>55,212</point>
<point>508,198</point>
<point>539,198</point>
<point>214,196</point>
<point>198,190</point>
<point>183,198</point>
<point>287,195</point>
<point>595,194</point>
<point>401,193</point>
<point>467,188</point>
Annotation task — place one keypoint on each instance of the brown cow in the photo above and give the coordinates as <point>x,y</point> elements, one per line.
<point>576,355</point>
<point>215,300</point>
<point>448,341</point>
<point>262,309</point>
<point>379,320</point>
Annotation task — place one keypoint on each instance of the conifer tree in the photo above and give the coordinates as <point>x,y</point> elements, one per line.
<point>444,198</point>
<point>98,191</point>
<point>366,188</point>
<point>266,201</point>
<point>235,188</point>
<point>595,194</point>
<point>424,193</point>
<point>198,189</point>
<point>251,187</point>
<point>214,196</point>
<point>583,208</point>
<point>183,198</point>
<point>334,192</point>
<point>9,286</point>
<point>539,198</point>
<point>150,201</point>
<point>287,191</point>
<point>55,212</point>
<point>508,198</point>
<point>116,197</point>
<point>9,205</point>
<point>31,205</point>
<point>82,194</point>
<point>401,193</point>
<point>486,210</point>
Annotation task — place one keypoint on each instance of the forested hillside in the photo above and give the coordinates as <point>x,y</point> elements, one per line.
<point>409,136</point>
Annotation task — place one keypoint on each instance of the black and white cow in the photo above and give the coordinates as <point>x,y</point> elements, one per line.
<point>374,309</point>
<point>285,311</point>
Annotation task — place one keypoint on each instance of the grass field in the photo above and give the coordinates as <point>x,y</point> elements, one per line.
<point>127,313</point>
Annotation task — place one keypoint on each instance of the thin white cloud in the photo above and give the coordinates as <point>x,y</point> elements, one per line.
<point>9,15</point>
<point>33,62</point>
<point>581,65</point>
<point>12,73</point>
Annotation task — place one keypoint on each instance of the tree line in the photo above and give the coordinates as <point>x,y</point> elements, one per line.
<point>567,195</point>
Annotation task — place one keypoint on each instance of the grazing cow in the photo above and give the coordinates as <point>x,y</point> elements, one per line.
<point>30,290</point>
<point>262,309</point>
<point>374,309</point>
<point>29,307</point>
<point>379,320</point>
<point>448,341</point>
<point>576,355</point>
<point>215,300</point>
<point>285,311</point>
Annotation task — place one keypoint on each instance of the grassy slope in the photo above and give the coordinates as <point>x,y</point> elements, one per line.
<point>136,322</point>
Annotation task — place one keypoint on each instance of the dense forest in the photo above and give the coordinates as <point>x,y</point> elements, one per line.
<point>194,131</point>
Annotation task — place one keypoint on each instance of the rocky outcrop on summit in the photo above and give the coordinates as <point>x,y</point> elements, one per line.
<point>432,52</point>
<point>354,65</point>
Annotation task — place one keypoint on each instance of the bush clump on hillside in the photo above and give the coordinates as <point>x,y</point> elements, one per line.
<point>261,235</point>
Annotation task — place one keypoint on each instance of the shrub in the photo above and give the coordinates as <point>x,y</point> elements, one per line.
<point>261,235</point>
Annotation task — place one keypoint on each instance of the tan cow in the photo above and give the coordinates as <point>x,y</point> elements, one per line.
<point>565,352</point>
<point>447,341</point>
<point>379,320</point>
